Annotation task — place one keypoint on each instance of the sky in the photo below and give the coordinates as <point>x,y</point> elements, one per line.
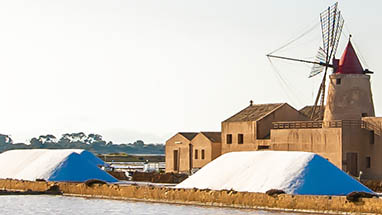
<point>132,70</point>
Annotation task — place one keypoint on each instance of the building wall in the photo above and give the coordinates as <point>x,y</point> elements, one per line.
<point>216,150</point>
<point>284,113</point>
<point>248,129</point>
<point>373,151</point>
<point>256,131</point>
<point>323,141</point>
<point>186,148</point>
<point>201,142</point>
<point>359,141</point>
<point>350,98</point>
<point>375,121</point>
<point>182,144</point>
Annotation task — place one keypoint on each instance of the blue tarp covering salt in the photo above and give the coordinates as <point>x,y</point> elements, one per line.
<point>52,165</point>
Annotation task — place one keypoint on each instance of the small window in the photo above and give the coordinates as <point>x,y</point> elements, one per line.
<point>368,162</point>
<point>202,154</point>
<point>338,81</point>
<point>229,138</point>
<point>196,154</point>
<point>364,114</point>
<point>240,138</point>
<point>371,137</point>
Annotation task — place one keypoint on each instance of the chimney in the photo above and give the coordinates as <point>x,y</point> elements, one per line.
<point>250,103</point>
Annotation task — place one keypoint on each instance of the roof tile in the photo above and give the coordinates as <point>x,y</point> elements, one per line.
<point>254,112</point>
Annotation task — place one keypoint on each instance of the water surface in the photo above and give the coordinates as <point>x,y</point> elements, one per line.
<point>73,205</point>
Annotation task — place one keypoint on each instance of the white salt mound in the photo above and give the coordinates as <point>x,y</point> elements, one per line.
<point>52,165</point>
<point>259,171</point>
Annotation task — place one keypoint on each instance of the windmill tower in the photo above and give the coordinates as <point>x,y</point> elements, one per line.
<point>349,94</point>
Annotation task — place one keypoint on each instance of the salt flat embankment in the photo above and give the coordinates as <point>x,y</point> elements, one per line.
<point>224,198</point>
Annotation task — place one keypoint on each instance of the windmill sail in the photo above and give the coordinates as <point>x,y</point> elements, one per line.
<point>320,58</point>
<point>331,26</point>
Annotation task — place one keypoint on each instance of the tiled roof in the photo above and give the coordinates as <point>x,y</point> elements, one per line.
<point>188,135</point>
<point>215,137</point>
<point>307,111</point>
<point>254,112</point>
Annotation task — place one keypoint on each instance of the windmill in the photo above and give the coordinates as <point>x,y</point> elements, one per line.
<point>331,27</point>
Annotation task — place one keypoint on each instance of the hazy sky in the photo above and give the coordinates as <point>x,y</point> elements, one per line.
<point>146,69</point>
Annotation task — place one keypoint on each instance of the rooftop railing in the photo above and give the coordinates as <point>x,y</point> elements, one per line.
<point>328,124</point>
<point>297,124</point>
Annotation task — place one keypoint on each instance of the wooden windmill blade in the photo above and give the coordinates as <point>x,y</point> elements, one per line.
<point>320,58</point>
<point>331,29</point>
<point>331,26</point>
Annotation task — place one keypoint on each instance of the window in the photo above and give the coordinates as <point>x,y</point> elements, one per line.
<point>371,137</point>
<point>202,154</point>
<point>338,81</point>
<point>240,138</point>
<point>364,114</point>
<point>229,138</point>
<point>368,162</point>
<point>196,154</point>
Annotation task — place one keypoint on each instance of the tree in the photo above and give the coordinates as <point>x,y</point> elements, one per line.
<point>5,139</point>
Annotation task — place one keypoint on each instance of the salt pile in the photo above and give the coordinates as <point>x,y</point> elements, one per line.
<point>52,165</point>
<point>259,171</point>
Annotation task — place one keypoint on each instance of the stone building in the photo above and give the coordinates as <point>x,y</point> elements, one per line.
<point>178,152</point>
<point>250,128</point>
<point>206,146</point>
<point>187,151</point>
<point>348,134</point>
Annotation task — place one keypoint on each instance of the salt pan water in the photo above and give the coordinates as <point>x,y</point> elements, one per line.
<point>57,205</point>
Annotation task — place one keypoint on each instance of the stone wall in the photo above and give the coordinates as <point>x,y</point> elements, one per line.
<point>284,113</point>
<point>350,98</point>
<point>199,143</point>
<point>155,177</point>
<point>359,142</point>
<point>228,198</point>
<point>375,185</point>
<point>323,141</point>
<point>247,129</point>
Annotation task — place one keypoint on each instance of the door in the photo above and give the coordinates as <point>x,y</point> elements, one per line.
<point>190,156</point>
<point>352,163</point>
<point>176,159</point>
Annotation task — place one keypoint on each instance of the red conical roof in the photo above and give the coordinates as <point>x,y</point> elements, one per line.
<point>349,63</point>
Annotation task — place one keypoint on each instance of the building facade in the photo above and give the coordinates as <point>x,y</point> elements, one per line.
<point>178,150</point>
<point>250,128</point>
<point>188,154</point>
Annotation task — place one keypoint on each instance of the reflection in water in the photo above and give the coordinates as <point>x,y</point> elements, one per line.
<point>73,205</point>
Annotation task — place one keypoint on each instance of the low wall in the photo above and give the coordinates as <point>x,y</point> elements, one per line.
<point>159,177</point>
<point>118,175</point>
<point>375,185</point>
<point>228,198</point>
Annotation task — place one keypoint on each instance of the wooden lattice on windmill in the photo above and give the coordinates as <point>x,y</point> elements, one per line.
<point>331,28</point>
